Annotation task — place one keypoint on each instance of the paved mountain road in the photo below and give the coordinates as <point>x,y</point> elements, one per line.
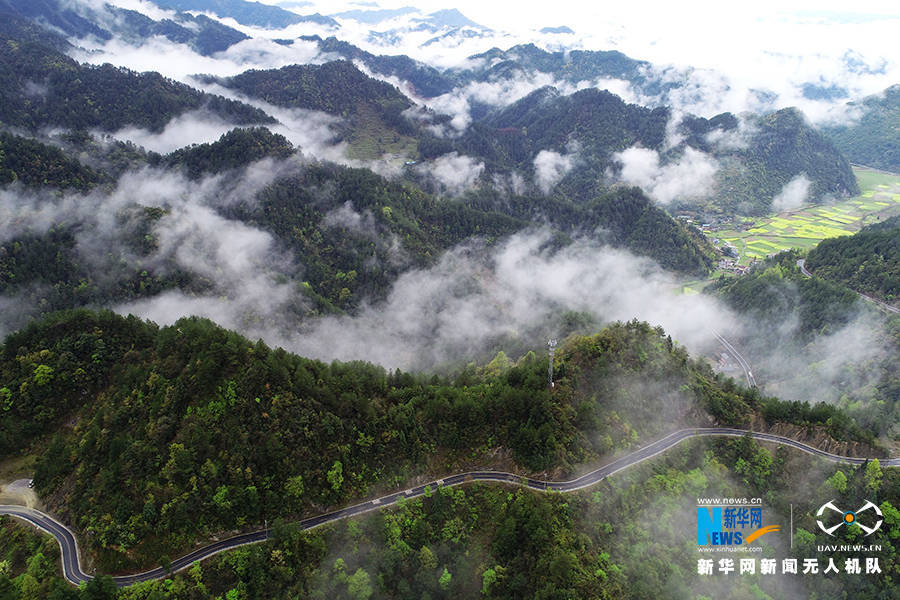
<point>74,573</point>
<point>802,264</point>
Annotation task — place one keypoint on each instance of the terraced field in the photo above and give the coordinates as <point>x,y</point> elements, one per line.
<point>805,227</point>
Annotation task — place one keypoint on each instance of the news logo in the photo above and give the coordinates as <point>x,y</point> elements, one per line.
<point>849,518</point>
<point>731,525</point>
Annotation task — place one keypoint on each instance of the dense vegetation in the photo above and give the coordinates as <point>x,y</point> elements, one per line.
<point>868,262</point>
<point>775,290</point>
<point>185,431</point>
<point>873,140</point>
<point>104,22</point>
<point>42,87</point>
<point>790,312</point>
<point>629,538</point>
<point>36,164</point>
<point>237,148</point>
<point>426,80</point>
<point>372,110</point>
<point>783,147</point>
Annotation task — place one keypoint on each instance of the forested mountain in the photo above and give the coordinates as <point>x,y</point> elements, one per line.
<point>572,66</point>
<point>35,164</point>
<point>784,146</point>
<point>186,431</point>
<point>247,13</point>
<point>372,110</point>
<point>868,261</point>
<point>426,80</point>
<point>41,87</point>
<point>781,147</point>
<point>793,313</point>
<point>874,138</point>
<point>546,120</point>
<point>104,21</point>
<point>237,148</point>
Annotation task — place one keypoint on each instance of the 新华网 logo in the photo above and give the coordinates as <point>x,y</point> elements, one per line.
<point>730,525</point>
<point>848,518</point>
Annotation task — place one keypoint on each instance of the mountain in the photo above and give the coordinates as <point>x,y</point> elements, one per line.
<point>372,109</point>
<point>182,432</point>
<point>426,80</point>
<point>41,87</point>
<point>448,18</point>
<point>868,261</point>
<point>235,149</point>
<point>557,30</point>
<point>874,139</point>
<point>255,14</point>
<point>82,19</point>
<point>35,164</point>
<point>784,146</point>
<point>572,66</point>
<point>801,316</point>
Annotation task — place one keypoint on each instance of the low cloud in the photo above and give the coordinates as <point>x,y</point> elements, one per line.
<point>475,296</point>
<point>454,173</point>
<point>550,167</point>
<point>793,194</point>
<point>691,176</point>
<point>194,127</point>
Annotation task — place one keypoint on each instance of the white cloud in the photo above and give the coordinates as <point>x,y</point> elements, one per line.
<point>474,296</point>
<point>793,194</point>
<point>691,176</point>
<point>550,167</point>
<point>194,127</point>
<point>454,172</point>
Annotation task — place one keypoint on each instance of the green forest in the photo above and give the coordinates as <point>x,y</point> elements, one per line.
<point>174,434</point>
<point>868,261</point>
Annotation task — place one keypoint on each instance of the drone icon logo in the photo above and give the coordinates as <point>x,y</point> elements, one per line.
<point>849,517</point>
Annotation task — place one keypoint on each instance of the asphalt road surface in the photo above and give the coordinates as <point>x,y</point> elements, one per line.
<point>748,372</point>
<point>73,572</point>
<point>802,264</point>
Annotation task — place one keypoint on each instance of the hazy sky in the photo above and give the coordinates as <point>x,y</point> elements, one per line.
<point>696,32</point>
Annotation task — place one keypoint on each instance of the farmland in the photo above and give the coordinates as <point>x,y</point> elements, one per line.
<point>806,226</point>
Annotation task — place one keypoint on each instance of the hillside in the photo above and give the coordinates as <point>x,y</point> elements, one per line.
<point>256,14</point>
<point>372,109</point>
<point>868,261</point>
<point>874,139</point>
<point>181,432</point>
<point>33,163</point>
<point>600,124</point>
<point>785,146</point>
<point>105,22</point>
<point>792,349</point>
<point>41,87</point>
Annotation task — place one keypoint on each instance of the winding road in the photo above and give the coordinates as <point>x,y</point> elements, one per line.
<point>74,573</point>
<point>748,373</point>
<point>802,264</point>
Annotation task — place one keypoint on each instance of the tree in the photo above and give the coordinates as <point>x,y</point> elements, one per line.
<point>444,579</point>
<point>359,585</point>
<point>873,476</point>
<point>427,559</point>
<point>335,475</point>
<point>838,481</point>
<point>294,487</point>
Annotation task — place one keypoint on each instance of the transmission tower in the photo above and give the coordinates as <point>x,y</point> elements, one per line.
<point>551,344</point>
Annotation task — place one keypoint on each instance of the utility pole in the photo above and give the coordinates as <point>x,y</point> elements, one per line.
<point>551,344</point>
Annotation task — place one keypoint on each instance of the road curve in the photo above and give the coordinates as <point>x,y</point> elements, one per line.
<point>802,264</point>
<point>748,373</point>
<point>73,572</point>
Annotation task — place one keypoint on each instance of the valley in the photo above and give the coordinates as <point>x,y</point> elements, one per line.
<point>344,300</point>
